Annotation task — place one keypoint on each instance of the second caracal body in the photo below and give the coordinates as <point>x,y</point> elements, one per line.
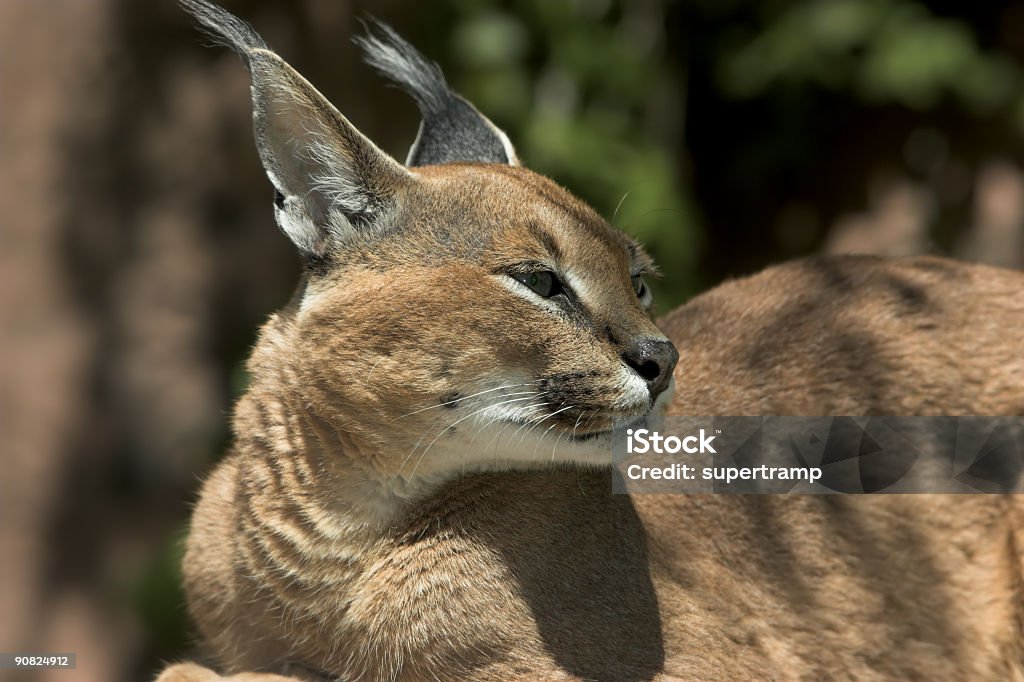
<point>419,488</point>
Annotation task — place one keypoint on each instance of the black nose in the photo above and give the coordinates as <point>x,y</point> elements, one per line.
<point>653,360</point>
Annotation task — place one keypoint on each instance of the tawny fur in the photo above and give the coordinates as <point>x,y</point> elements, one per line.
<point>419,485</point>
<point>547,575</point>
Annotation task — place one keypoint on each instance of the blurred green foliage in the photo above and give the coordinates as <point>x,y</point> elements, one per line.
<point>594,93</point>
<point>876,49</point>
<point>158,597</point>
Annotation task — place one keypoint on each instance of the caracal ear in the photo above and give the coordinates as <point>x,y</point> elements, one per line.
<point>452,129</point>
<point>331,181</point>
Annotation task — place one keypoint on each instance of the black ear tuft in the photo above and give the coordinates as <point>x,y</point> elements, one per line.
<point>225,28</point>
<point>452,129</point>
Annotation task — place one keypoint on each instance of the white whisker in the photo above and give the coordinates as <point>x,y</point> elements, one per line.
<point>455,423</point>
<point>553,425</point>
<point>460,399</point>
<point>554,448</point>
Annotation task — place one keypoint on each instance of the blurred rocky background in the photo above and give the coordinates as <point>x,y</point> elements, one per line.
<point>138,253</point>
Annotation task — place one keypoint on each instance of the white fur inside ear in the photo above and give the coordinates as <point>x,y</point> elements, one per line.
<point>309,224</point>
<point>334,181</point>
<point>294,220</point>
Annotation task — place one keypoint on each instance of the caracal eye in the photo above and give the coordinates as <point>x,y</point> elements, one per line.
<point>542,282</point>
<point>638,286</point>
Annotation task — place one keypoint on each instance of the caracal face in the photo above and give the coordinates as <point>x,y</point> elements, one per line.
<point>500,320</point>
<point>458,312</point>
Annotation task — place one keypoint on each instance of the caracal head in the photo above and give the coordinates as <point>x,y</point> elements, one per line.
<point>459,312</point>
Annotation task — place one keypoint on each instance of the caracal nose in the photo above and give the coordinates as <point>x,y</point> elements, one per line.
<point>653,359</point>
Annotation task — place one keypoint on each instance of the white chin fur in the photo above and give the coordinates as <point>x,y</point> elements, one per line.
<point>514,435</point>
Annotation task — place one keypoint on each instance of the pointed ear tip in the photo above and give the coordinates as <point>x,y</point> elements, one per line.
<point>264,54</point>
<point>272,66</point>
